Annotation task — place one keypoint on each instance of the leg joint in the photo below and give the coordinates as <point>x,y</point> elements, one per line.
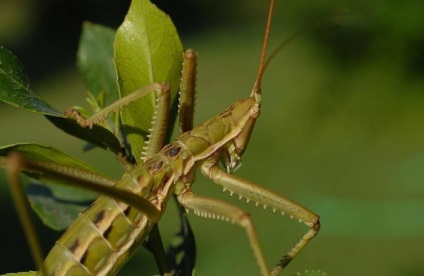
<point>316,224</point>
<point>245,220</point>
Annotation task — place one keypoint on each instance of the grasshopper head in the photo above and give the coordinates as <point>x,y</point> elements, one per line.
<point>245,113</point>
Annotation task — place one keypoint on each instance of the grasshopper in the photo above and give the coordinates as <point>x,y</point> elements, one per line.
<point>105,235</point>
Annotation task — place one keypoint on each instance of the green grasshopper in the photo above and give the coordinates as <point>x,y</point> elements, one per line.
<point>104,236</point>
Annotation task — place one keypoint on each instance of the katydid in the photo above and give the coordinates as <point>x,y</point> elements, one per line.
<point>106,234</point>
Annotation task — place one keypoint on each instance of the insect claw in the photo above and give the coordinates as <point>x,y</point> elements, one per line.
<point>247,200</point>
<point>240,197</point>
<point>273,210</point>
<point>291,217</point>
<point>265,206</point>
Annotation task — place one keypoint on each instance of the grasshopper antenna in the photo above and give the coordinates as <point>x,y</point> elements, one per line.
<point>257,86</point>
<point>264,62</point>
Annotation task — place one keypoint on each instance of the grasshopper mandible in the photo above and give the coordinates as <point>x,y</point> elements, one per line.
<point>105,235</point>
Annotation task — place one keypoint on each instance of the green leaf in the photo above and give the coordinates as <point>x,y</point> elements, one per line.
<point>95,60</point>
<point>42,153</point>
<point>53,210</point>
<point>15,88</point>
<point>67,201</point>
<point>147,50</point>
<point>97,135</point>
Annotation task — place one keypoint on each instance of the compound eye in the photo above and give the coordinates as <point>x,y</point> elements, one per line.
<point>254,111</point>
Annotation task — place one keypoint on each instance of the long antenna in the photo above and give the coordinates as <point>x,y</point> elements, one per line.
<point>257,85</point>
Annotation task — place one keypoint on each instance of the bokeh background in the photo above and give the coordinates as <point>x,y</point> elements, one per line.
<point>341,129</point>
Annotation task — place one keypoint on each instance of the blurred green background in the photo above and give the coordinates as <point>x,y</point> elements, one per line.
<point>341,129</point>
